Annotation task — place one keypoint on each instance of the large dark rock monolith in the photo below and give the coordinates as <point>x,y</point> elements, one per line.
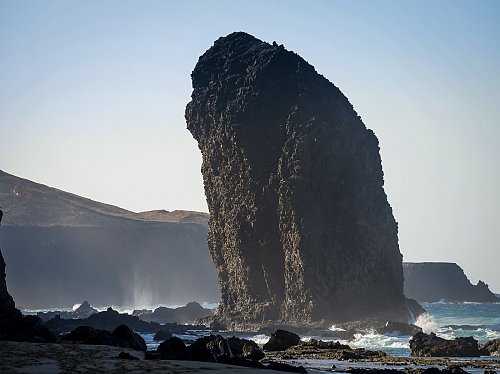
<point>300,227</point>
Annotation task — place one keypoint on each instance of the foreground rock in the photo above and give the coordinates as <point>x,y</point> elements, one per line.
<point>317,349</point>
<point>300,227</point>
<point>215,348</point>
<point>122,336</point>
<point>435,281</point>
<point>430,345</point>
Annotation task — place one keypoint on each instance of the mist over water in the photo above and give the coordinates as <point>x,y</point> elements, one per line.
<point>141,286</point>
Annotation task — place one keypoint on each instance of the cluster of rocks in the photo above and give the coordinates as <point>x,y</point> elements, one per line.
<point>110,319</point>
<point>122,337</point>
<point>85,310</point>
<point>215,348</point>
<point>189,313</point>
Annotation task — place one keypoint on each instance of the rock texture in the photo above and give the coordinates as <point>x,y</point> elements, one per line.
<point>300,228</point>
<point>435,281</point>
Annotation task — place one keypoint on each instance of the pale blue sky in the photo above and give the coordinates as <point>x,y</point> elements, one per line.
<point>92,98</point>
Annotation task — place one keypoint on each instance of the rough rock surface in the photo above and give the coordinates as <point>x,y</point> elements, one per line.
<point>300,228</point>
<point>435,281</point>
<point>430,345</point>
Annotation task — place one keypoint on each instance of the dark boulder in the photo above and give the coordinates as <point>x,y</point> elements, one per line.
<point>122,337</point>
<point>281,340</point>
<point>245,348</point>
<point>129,339</point>
<point>162,335</point>
<point>430,345</point>
<point>300,228</point>
<point>492,347</point>
<point>173,349</point>
<point>399,328</point>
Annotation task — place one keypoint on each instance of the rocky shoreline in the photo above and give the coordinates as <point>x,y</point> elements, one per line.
<point>66,357</point>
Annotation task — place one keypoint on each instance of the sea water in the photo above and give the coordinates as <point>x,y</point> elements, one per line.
<point>447,320</point>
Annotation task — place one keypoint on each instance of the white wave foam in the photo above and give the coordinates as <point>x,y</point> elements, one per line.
<point>427,323</point>
<point>76,306</point>
<point>373,340</point>
<point>336,328</point>
<point>260,339</point>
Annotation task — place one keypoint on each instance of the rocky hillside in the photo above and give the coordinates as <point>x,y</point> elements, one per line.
<point>435,281</point>
<point>300,227</point>
<point>61,248</point>
<point>26,203</point>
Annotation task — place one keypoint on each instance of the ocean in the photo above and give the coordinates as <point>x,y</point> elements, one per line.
<point>447,320</point>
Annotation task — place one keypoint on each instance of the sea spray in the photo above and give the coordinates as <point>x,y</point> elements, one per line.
<point>427,323</point>
<point>142,296</point>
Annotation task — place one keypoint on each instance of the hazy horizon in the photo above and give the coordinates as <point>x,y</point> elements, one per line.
<point>93,94</point>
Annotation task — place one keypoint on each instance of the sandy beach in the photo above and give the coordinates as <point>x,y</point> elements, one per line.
<point>31,358</point>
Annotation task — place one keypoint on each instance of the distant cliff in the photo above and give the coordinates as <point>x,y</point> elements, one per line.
<point>61,249</point>
<point>435,281</point>
<point>300,228</point>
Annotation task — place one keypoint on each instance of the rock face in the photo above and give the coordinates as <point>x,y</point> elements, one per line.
<point>300,228</point>
<point>435,281</point>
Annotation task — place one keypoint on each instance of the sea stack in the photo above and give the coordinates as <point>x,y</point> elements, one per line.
<point>300,228</point>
